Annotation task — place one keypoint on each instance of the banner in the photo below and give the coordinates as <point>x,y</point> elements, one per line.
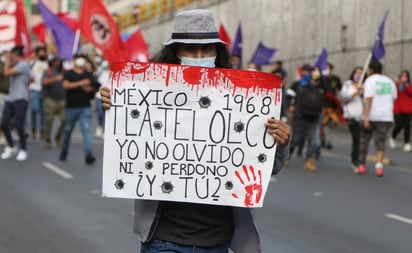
<point>64,36</point>
<point>189,134</point>
<point>99,28</point>
<point>13,26</point>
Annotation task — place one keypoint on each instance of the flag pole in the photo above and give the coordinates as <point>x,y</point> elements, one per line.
<point>76,41</point>
<point>365,67</point>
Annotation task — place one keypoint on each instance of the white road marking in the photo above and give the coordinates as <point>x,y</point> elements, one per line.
<point>398,218</point>
<point>318,194</point>
<point>57,170</point>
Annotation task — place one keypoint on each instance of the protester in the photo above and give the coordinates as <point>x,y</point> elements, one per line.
<point>279,70</point>
<point>352,111</point>
<point>379,95</point>
<point>251,66</point>
<point>36,97</point>
<point>16,104</point>
<point>403,111</point>
<point>103,78</point>
<point>332,86</point>
<point>4,90</point>
<point>54,100</point>
<point>236,61</point>
<point>78,84</point>
<point>306,101</point>
<point>189,227</point>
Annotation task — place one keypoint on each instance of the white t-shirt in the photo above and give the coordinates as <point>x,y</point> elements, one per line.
<point>383,92</point>
<point>36,73</point>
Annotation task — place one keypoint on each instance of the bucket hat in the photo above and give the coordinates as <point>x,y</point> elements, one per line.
<point>194,27</point>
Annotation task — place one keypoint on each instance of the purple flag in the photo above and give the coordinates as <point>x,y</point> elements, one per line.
<point>237,45</point>
<point>378,50</point>
<point>322,61</point>
<point>263,55</point>
<point>63,35</point>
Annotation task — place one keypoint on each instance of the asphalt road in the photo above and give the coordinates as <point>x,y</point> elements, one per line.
<point>53,206</point>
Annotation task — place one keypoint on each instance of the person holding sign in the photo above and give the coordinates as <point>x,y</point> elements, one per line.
<point>170,226</point>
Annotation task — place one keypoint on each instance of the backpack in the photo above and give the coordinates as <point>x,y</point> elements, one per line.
<point>310,100</point>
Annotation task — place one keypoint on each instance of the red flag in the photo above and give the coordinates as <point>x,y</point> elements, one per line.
<point>69,20</point>
<point>22,34</point>
<point>40,31</point>
<point>99,28</point>
<point>224,36</point>
<point>136,48</point>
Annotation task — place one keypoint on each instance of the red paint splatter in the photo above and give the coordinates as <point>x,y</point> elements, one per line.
<point>223,79</point>
<point>253,188</point>
<point>192,75</point>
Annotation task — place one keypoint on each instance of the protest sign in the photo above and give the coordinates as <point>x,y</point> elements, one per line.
<point>189,134</point>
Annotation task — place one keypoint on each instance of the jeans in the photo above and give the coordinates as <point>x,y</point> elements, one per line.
<point>100,112</point>
<point>72,115</point>
<point>159,246</point>
<point>36,108</point>
<point>14,110</point>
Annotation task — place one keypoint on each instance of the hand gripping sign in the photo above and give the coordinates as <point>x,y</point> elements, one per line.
<point>189,134</point>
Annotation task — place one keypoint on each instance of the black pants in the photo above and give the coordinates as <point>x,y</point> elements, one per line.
<point>16,111</point>
<point>355,130</point>
<point>402,121</point>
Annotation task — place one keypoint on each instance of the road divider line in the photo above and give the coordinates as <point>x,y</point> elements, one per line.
<point>398,218</point>
<point>57,170</point>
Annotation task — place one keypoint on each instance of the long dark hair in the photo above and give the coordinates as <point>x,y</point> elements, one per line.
<point>168,54</point>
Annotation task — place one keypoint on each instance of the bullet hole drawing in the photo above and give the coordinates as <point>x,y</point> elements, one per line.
<point>262,158</point>
<point>204,102</point>
<point>229,185</point>
<point>157,124</point>
<point>239,126</point>
<point>167,187</point>
<point>135,113</point>
<point>148,165</point>
<point>119,184</point>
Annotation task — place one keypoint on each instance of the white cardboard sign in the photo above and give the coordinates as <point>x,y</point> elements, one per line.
<point>189,134</point>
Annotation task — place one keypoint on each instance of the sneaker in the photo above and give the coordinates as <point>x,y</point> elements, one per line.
<point>8,152</point>
<point>22,155</point>
<point>361,169</point>
<point>392,143</point>
<point>407,147</point>
<point>99,132</point>
<point>90,159</point>
<point>379,172</point>
<point>354,167</point>
<point>63,155</point>
<point>57,140</point>
<point>47,145</point>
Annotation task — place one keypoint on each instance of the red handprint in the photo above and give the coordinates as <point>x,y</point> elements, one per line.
<point>253,186</point>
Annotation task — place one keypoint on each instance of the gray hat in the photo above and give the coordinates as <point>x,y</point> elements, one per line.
<point>194,27</point>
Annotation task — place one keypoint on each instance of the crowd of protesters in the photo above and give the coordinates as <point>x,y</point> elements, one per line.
<point>373,107</point>
<point>41,89</point>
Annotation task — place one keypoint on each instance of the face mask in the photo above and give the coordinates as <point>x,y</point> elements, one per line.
<point>80,62</point>
<point>199,62</point>
<point>404,79</point>
<point>326,72</point>
<point>356,77</point>
<point>104,64</point>
<point>43,58</point>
